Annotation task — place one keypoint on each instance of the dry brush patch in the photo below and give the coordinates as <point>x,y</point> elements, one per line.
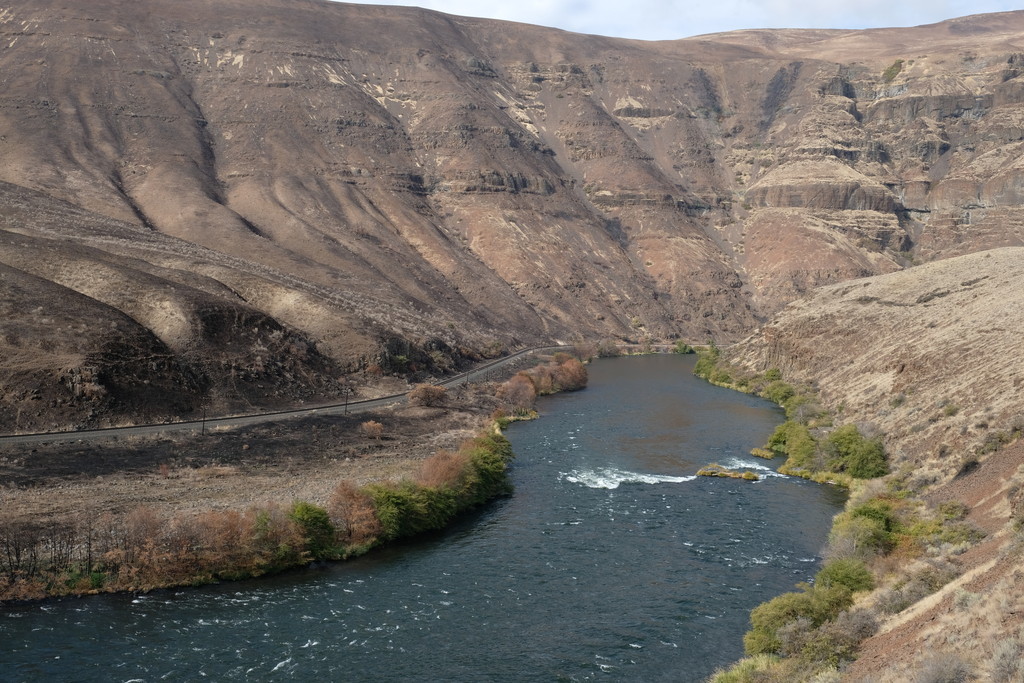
<point>564,372</point>
<point>427,395</point>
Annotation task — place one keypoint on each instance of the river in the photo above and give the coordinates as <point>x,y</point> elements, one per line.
<point>611,561</point>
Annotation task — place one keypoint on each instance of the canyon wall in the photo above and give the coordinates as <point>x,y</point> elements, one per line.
<point>263,197</point>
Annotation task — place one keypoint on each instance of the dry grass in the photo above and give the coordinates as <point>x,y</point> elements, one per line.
<point>213,472</point>
<point>444,468</point>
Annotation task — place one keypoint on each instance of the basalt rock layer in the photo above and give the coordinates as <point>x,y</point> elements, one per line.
<point>265,196</point>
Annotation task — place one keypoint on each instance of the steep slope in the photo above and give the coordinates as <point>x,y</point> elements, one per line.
<point>389,183</point>
<point>930,358</point>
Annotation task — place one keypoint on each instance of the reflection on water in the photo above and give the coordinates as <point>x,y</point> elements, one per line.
<point>610,562</point>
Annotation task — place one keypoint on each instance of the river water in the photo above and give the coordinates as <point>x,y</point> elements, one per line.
<point>611,561</point>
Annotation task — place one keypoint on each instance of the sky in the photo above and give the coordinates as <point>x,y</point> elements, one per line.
<point>671,19</point>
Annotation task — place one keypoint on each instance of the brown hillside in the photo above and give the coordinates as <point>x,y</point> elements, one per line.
<point>930,357</point>
<point>340,187</point>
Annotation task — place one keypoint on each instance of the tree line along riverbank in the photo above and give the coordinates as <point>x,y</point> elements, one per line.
<point>144,549</point>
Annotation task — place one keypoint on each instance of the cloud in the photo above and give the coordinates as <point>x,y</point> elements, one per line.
<point>670,19</point>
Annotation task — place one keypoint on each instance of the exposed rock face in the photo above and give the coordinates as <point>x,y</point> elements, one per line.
<point>327,177</point>
<point>930,355</point>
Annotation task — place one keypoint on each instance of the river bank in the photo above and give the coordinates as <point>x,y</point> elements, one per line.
<point>71,514</point>
<point>612,560</point>
<point>902,541</point>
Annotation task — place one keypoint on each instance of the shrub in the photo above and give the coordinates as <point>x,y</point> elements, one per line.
<point>372,429</point>
<point>953,510</point>
<point>406,509</point>
<point>794,635</point>
<point>836,641</point>
<point>756,668</point>
<point>354,516</point>
<point>859,536</point>
<point>682,347</point>
<point>409,508</point>
<point>795,441</point>
<point>427,395</point>
<point>489,455</point>
<point>922,584</point>
<point>805,408</point>
<point>543,379</point>
<point>707,360</point>
<point>892,71</point>
<point>778,392</point>
<point>879,511</point>
<point>1008,661</point>
<point>317,529</point>
<point>277,540</point>
<point>570,375</point>
<point>943,667</point>
<point>816,604</point>
<point>870,527</point>
<point>519,392</point>
<point>585,351</point>
<point>608,349</point>
<point>847,572</point>
<point>994,441</point>
<point>849,451</point>
<point>444,468</point>
<point>501,419</point>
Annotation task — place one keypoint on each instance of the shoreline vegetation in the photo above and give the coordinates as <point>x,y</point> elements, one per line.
<point>886,550</point>
<point>889,548</point>
<point>142,550</point>
<point>814,447</point>
<point>716,470</point>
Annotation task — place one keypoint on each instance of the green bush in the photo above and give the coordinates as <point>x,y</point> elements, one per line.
<point>720,376</point>
<point>408,508</point>
<point>849,451</point>
<point>892,71</point>
<point>867,528</point>
<point>489,464</point>
<point>275,542</point>
<point>817,604</point>
<point>862,535</point>
<point>847,572</point>
<point>778,392</point>
<point>794,440</point>
<point>878,510</point>
<point>316,528</point>
<point>707,361</point>
<point>682,347</point>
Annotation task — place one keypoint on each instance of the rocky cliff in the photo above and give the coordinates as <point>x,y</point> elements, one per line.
<point>265,196</point>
